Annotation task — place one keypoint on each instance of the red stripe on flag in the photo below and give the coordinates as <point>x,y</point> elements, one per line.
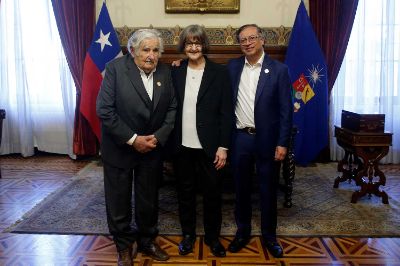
<point>91,82</point>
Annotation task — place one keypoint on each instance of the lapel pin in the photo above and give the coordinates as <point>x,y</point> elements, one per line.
<point>266,71</point>
<point>158,84</point>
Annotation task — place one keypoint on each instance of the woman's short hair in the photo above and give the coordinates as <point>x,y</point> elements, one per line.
<point>138,36</point>
<point>197,33</point>
<point>260,31</point>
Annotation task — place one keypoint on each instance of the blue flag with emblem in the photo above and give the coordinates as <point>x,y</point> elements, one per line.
<point>308,74</point>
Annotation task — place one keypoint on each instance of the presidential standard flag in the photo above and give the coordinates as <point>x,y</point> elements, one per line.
<point>104,48</point>
<point>308,74</point>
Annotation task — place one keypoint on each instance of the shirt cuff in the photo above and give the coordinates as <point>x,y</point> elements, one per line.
<point>131,140</point>
<point>223,148</point>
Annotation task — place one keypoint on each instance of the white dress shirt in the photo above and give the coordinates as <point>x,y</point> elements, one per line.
<point>148,85</point>
<point>147,82</point>
<point>190,138</point>
<point>244,109</point>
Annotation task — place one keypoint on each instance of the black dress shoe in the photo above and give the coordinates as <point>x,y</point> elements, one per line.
<point>274,248</point>
<point>154,251</point>
<point>186,245</point>
<point>238,243</point>
<point>217,249</point>
<point>125,257</point>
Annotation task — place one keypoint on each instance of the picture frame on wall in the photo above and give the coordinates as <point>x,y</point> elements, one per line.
<point>202,6</point>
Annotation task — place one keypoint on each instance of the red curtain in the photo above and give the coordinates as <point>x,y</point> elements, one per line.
<point>75,21</point>
<point>332,21</point>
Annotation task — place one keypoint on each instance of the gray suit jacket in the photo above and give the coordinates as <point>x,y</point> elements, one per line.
<point>125,108</point>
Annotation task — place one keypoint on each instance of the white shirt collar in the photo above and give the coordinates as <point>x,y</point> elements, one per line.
<point>144,73</point>
<point>259,62</point>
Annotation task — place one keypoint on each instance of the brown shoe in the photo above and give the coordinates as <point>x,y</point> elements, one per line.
<point>154,251</point>
<point>125,257</point>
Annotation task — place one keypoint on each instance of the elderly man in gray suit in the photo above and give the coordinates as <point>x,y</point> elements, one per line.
<point>136,106</point>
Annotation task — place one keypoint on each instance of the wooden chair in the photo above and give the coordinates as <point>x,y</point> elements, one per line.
<point>288,171</point>
<point>2,116</point>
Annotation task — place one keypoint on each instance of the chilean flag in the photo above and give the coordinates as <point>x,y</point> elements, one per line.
<point>104,48</point>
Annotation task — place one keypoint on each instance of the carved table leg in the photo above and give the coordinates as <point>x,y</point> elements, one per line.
<point>349,172</point>
<point>341,169</point>
<point>371,158</point>
<point>382,181</point>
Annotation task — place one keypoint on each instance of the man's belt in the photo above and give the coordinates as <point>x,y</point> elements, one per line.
<point>248,130</point>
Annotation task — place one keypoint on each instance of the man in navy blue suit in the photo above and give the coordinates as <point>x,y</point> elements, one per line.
<point>263,114</point>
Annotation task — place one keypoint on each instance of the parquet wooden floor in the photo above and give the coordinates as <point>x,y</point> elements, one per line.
<point>26,181</point>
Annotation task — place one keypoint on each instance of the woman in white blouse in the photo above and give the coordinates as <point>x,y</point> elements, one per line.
<point>202,137</point>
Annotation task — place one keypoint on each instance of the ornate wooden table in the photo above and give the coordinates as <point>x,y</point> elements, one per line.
<point>363,151</point>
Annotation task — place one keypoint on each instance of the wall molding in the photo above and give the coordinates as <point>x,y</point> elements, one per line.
<point>276,36</point>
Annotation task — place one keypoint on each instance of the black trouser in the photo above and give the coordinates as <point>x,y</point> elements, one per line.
<point>193,165</point>
<point>118,194</point>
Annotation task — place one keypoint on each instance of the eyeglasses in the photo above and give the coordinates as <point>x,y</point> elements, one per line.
<point>250,39</point>
<point>192,44</point>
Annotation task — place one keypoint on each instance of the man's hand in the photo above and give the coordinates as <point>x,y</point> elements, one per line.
<point>145,144</point>
<point>176,63</point>
<point>280,153</point>
<point>220,158</point>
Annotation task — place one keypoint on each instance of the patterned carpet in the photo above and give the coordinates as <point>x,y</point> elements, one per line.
<point>318,209</point>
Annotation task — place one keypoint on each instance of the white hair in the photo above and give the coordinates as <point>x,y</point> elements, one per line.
<point>138,36</point>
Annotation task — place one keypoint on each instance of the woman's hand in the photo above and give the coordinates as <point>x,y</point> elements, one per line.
<point>220,158</point>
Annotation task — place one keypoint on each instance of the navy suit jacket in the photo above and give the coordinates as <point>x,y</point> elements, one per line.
<point>273,108</point>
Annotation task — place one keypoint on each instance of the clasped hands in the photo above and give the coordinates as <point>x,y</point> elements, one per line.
<point>145,144</point>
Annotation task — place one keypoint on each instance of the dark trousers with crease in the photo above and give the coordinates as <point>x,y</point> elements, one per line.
<point>243,160</point>
<point>145,174</point>
<point>193,167</point>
